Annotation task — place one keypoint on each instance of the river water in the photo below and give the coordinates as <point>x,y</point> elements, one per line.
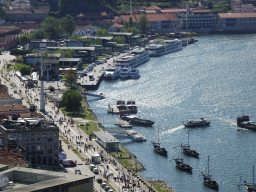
<point>213,78</point>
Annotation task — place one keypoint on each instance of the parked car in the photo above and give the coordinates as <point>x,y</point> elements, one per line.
<point>99,180</point>
<point>77,171</point>
<point>103,185</point>
<point>107,188</point>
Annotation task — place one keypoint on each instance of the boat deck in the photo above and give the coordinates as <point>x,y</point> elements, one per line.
<point>113,110</point>
<point>135,136</point>
<point>123,124</point>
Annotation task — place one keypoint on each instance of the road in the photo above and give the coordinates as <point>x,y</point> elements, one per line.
<point>73,134</point>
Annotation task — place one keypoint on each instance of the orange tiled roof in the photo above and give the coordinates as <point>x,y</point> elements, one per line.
<point>236,15</point>
<point>150,11</point>
<point>117,25</point>
<point>151,17</point>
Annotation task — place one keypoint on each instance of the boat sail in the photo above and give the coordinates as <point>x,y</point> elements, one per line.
<point>157,146</point>
<point>208,179</point>
<point>186,149</point>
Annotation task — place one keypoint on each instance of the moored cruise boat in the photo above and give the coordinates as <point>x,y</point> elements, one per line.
<point>134,74</point>
<point>132,107</point>
<point>112,73</point>
<point>125,73</point>
<point>164,47</point>
<point>133,58</point>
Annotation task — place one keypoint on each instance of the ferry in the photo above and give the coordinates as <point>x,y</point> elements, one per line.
<point>164,47</point>
<point>134,74</point>
<point>132,107</point>
<point>125,73</point>
<point>197,123</point>
<point>244,122</point>
<point>133,58</point>
<point>112,73</point>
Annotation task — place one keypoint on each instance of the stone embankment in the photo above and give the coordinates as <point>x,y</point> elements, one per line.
<point>163,184</point>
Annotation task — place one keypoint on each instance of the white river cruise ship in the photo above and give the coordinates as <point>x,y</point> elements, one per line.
<point>164,47</point>
<point>133,58</point>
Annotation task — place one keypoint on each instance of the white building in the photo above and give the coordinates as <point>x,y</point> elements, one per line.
<point>85,30</point>
<point>238,7</point>
<point>20,4</point>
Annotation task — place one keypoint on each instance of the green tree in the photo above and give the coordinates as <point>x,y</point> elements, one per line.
<point>210,5</point>
<point>130,22</point>
<point>71,79</point>
<point>98,41</point>
<point>72,100</point>
<point>25,70</point>
<point>119,39</point>
<point>126,25</point>
<point>60,51</point>
<point>2,12</point>
<point>74,38</point>
<point>52,27</point>
<point>19,59</point>
<point>69,53</point>
<point>38,34</point>
<point>103,33</point>
<point>1,50</point>
<point>24,39</point>
<point>143,24</point>
<point>68,24</point>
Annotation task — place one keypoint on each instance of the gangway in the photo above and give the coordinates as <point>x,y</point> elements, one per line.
<point>100,96</point>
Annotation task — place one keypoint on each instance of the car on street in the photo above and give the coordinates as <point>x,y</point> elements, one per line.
<point>78,171</point>
<point>99,180</point>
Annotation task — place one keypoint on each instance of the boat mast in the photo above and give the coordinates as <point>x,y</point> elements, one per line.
<point>253,175</point>
<point>208,164</point>
<point>158,135</point>
<point>188,138</point>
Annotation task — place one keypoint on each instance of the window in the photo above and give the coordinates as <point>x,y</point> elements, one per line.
<point>55,135</point>
<point>26,137</point>
<point>44,136</point>
<point>32,137</point>
<point>33,148</point>
<point>55,147</point>
<point>38,137</point>
<point>38,147</point>
<point>44,147</point>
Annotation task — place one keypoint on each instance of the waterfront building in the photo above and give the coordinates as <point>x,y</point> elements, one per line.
<point>37,138</point>
<point>41,44</point>
<point>198,21</point>
<point>238,7</point>
<point>108,141</point>
<point>161,23</point>
<point>237,22</point>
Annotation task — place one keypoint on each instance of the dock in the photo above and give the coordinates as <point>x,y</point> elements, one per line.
<point>135,136</point>
<point>123,124</point>
<point>113,110</point>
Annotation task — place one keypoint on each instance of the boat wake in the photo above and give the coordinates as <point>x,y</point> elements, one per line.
<point>173,129</point>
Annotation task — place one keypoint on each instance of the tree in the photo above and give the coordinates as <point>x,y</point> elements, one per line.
<point>103,33</point>
<point>69,53</point>
<point>19,59</point>
<point>71,79</point>
<point>52,27</point>
<point>1,50</point>
<point>2,12</point>
<point>25,70</point>
<point>130,23</point>
<point>143,24</point>
<point>210,5</point>
<point>68,24</point>
<point>98,41</point>
<point>24,39</point>
<point>119,39</point>
<point>72,100</point>
<point>38,34</point>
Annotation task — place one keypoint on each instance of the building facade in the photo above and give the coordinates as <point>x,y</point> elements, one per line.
<point>38,139</point>
<point>237,22</point>
<point>238,7</point>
